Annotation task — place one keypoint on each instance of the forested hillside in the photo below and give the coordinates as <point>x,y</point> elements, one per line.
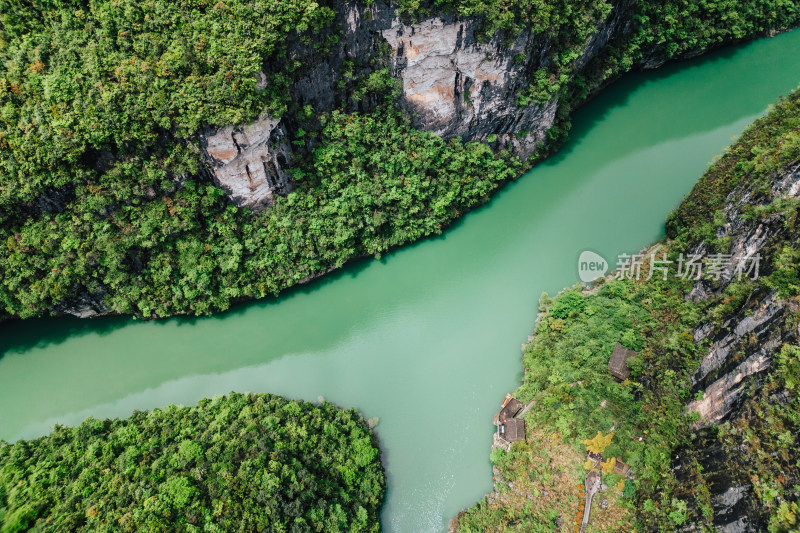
<point>107,203</point>
<point>710,415</point>
<point>237,463</point>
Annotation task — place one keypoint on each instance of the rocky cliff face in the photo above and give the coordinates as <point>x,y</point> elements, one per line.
<point>452,82</point>
<point>249,162</point>
<point>738,362</point>
<point>743,348</point>
<point>456,85</point>
<point>745,342</point>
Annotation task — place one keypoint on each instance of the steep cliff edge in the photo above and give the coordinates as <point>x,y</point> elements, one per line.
<point>174,157</point>
<point>455,78</point>
<point>456,85</point>
<point>710,414</point>
<point>466,77</point>
<point>738,471</point>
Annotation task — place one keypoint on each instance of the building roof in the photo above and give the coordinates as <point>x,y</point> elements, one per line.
<point>512,430</point>
<point>621,468</point>
<point>617,364</point>
<point>511,406</point>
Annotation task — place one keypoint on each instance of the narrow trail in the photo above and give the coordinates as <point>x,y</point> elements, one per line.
<point>525,410</point>
<point>592,485</point>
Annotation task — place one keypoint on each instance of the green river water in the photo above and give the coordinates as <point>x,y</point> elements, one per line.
<point>428,338</point>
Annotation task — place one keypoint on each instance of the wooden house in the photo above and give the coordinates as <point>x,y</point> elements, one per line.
<point>509,408</point>
<point>512,430</point>
<point>622,469</point>
<point>509,427</point>
<point>618,364</point>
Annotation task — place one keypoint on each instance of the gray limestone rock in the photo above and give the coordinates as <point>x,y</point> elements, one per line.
<point>458,86</point>
<point>249,162</point>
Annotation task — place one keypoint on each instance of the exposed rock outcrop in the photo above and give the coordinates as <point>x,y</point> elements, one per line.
<point>453,83</point>
<point>759,322</point>
<point>84,305</point>
<point>457,85</point>
<point>730,499</point>
<point>322,84</point>
<point>249,162</point>
<point>738,363</point>
<point>745,343</point>
<point>721,396</point>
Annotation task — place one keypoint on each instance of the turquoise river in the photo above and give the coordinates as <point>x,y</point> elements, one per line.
<point>428,338</point>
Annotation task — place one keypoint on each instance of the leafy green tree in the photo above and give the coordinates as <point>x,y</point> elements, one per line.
<point>252,462</point>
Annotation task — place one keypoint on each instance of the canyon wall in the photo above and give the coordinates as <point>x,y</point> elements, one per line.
<point>740,359</point>
<point>452,82</point>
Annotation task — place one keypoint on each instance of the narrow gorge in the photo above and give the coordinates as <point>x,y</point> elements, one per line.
<point>357,206</point>
<point>707,415</point>
<point>278,132</point>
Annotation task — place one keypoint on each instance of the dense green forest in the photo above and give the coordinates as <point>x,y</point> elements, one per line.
<point>101,190</point>
<point>245,462</point>
<point>565,366</point>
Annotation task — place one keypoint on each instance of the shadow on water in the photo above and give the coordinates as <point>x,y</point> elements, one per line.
<point>19,336</point>
<point>350,270</point>
<point>696,116</point>
<point>693,98</point>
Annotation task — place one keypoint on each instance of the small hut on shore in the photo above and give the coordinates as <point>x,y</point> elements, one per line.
<point>617,365</point>
<point>622,469</point>
<point>509,408</point>
<point>509,427</point>
<point>512,430</point>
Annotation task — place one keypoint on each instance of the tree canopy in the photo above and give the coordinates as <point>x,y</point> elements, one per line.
<point>245,462</point>
<point>103,192</point>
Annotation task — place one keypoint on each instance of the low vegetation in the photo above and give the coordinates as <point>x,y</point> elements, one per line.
<point>236,463</point>
<point>539,487</point>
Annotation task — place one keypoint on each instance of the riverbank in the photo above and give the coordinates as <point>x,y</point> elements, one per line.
<point>716,356</point>
<point>172,243</point>
<point>442,319</point>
